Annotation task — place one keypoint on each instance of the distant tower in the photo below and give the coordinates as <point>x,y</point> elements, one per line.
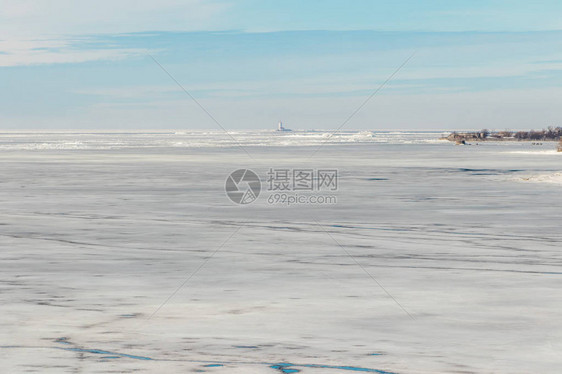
<point>281,128</point>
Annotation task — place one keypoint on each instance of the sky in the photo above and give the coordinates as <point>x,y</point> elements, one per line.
<point>470,64</point>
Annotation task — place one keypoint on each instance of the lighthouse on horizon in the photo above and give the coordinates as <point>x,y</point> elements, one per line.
<point>281,128</point>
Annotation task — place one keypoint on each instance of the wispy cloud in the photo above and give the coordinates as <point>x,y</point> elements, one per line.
<point>250,78</point>
<point>55,31</point>
<point>32,19</point>
<point>57,51</point>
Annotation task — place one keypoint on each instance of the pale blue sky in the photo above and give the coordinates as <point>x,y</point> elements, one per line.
<point>65,64</point>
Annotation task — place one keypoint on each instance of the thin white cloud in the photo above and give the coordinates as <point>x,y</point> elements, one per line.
<point>32,18</point>
<point>35,52</point>
<point>45,32</point>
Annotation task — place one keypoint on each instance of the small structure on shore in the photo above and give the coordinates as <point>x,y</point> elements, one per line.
<point>560,146</point>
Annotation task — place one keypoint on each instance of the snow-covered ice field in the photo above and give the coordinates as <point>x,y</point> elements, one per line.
<point>120,252</point>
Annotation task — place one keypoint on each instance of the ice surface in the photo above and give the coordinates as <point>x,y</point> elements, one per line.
<point>98,230</point>
<point>545,178</point>
<point>70,140</point>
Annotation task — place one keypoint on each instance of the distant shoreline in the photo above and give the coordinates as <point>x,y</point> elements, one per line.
<point>503,140</point>
<point>552,134</point>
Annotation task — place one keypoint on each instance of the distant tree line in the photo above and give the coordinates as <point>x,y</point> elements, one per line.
<point>550,133</point>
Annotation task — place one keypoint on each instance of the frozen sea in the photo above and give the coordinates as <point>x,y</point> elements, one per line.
<point>121,253</point>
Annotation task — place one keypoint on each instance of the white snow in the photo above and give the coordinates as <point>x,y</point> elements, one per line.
<point>96,238</point>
